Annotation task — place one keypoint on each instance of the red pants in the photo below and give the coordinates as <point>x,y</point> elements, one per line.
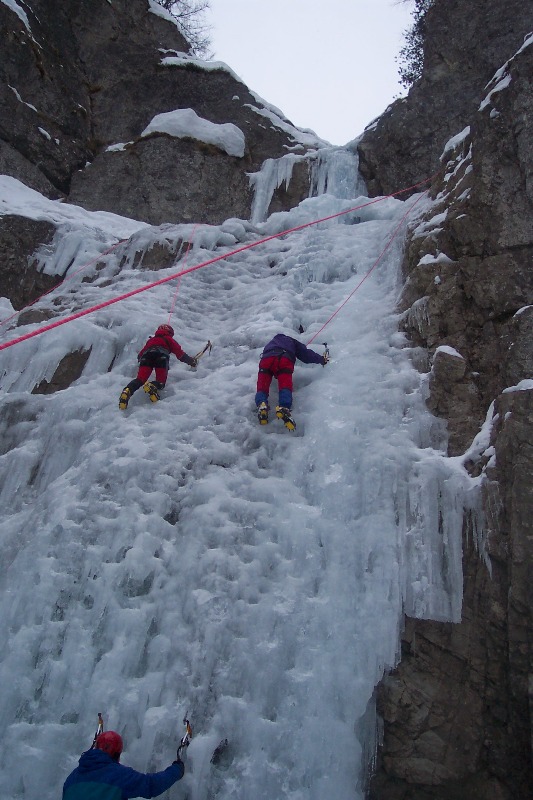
<point>279,367</point>
<point>160,374</point>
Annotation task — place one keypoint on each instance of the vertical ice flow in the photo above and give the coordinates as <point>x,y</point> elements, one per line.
<point>332,170</point>
<point>335,171</point>
<point>180,559</point>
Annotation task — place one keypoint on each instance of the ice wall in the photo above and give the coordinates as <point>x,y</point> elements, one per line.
<point>335,171</point>
<point>179,558</point>
<point>332,170</point>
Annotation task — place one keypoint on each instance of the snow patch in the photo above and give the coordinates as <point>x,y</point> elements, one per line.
<point>455,141</point>
<point>178,59</point>
<point>118,147</point>
<point>440,258</point>
<point>523,386</point>
<point>19,98</point>
<point>185,122</point>
<point>19,11</point>
<point>500,86</point>
<point>450,351</point>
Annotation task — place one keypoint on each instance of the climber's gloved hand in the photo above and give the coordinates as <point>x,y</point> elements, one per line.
<point>179,763</point>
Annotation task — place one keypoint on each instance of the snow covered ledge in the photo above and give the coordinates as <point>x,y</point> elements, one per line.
<point>185,123</point>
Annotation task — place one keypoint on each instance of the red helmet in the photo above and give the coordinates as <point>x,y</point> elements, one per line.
<point>166,330</point>
<point>111,743</point>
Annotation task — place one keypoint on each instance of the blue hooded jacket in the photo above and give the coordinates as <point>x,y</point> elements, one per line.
<point>292,348</point>
<point>98,777</point>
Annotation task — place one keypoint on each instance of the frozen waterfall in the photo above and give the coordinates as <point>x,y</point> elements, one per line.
<point>180,559</point>
<point>332,170</point>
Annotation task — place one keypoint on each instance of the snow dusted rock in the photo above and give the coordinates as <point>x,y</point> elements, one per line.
<point>520,361</point>
<point>204,184</point>
<point>68,370</point>
<point>20,280</point>
<point>477,238</point>
<point>12,162</point>
<point>453,395</point>
<point>466,42</point>
<point>82,83</point>
<point>456,710</point>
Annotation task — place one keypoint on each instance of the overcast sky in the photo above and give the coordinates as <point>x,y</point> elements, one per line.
<point>329,65</point>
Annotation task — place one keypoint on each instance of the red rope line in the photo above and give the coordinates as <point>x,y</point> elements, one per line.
<point>175,297</point>
<point>161,281</point>
<point>65,280</point>
<point>373,267</point>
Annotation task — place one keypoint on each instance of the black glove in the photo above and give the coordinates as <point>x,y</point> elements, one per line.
<point>179,763</point>
<point>192,362</point>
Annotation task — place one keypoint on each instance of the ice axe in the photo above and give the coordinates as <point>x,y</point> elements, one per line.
<point>326,353</point>
<point>99,729</point>
<point>209,346</point>
<point>186,738</point>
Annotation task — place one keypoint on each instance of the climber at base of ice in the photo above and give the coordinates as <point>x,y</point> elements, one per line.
<point>100,776</point>
<point>155,355</point>
<point>277,361</point>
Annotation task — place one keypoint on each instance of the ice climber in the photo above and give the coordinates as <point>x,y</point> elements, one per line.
<point>277,361</point>
<point>99,776</point>
<point>155,355</point>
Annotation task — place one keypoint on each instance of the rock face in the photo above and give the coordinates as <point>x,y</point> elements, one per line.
<point>456,711</point>
<point>81,82</point>
<point>82,77</point>
<point>465,43</point>
<point>20,280</point>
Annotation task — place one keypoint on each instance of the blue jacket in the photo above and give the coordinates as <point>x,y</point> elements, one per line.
<point>98,777</point>
<point>287,346</point>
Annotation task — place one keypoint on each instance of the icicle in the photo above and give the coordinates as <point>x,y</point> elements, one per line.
<point>273,173</point>
<point>335,171</point>
<point>417,316</point>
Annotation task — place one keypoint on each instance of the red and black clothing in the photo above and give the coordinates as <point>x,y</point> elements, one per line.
<point>277,361</point>
<point>155,355</point>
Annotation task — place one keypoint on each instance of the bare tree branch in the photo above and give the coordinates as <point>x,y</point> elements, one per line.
<point>411,57</point>
<point>189,14</point>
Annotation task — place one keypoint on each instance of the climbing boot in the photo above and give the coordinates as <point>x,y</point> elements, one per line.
<point>124,399</point>
<point>262,413</point>
<point>152,392</point>
<point>285,415</point>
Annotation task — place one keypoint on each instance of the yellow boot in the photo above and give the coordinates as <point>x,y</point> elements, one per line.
<point>152,392</point>
<point>285,415</point>
<point>124,399</point>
